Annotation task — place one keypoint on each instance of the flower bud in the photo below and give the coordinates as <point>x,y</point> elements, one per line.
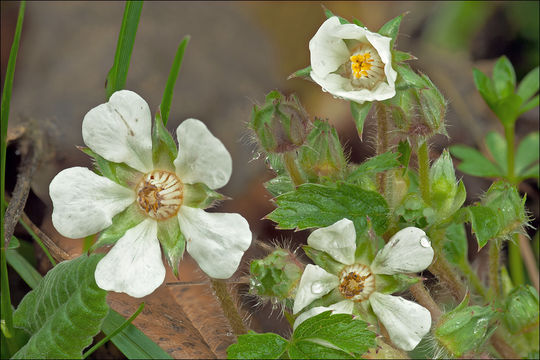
<point>508,206</point>
<point>465,328</point>
<point>447,195</point>
<point>277,275</point>
<point>281,124</point>
<point>521,310</point>
<point>322,156</point>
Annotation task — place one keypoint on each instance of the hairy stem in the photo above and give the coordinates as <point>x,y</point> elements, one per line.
<point>528,258</point>
<point>292,169</point>
<point>465,267</point>
<point>423,297</point>
<point>444,272</point>
<point>494,262</point>
<point>382,142</point>
<point>515,262</point>
<point>227,304</point>
<point>423,171</point>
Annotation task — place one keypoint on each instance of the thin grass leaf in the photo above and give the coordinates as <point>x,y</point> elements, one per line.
<point>22,267</point>
<point>116,79</point>
<point>165,106</point>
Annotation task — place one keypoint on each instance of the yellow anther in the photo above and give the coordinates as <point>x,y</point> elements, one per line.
<point>360,64</point>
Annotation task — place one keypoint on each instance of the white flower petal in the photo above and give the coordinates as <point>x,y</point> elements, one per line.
<point>134,265</point>
<point>328,52</point>
<point>338,240</point>
<point>406,321</point>
<point>84,202</point>
<point>217,241</point>
<point>342,307</point>
<point>314,284</point>
<point>202,158</point>
<point>120,130</point>
<point>409,250</point>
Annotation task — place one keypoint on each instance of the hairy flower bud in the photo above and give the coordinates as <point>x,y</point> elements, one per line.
<point>447,195</point>
<point>521,310</point>
<point>281,124</point>
<point>465,328</point>
<point>508,206</point>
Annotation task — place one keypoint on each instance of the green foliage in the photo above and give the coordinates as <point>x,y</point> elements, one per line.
<point>315,338</point>
<point>314,205</point>
<point>359,113</point>
<point>521,310</point>
<point>116,79</point>
<point>456,246</point>
<point>474,163</point>
<point>199,195</point>
<point>484,224</point>
<point>64,312</point>
<point>279,185</point>
<point>164,149</point>
<point>25,270</point>
<point>391,29</point>
<point>527,156</point>
<point>390,284</point>
<point>447,195</point>
<point>120,173</point>
<point>302,73</point>
<point>121,222</point>
<point>276,275</point>
<point>373,166</point>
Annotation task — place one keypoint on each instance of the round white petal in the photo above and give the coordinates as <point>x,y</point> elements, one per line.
<point>342,307</point>
<point>327,51</point>
<point>134,265</point>
<point>406,321</point>
<point>338,240</point>
<point>84,202</point>
<point>217,241</point>
<point>120,130</point>
<point>409,250</point>
<point>314,284</point>
<point>202,158</point>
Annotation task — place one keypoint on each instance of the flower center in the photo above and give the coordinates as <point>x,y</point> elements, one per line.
<point>356,282</point>
<point>160,194</point>
<point>360,64</point>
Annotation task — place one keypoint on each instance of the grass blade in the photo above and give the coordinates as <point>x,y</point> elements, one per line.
<point>25,270</point>
<point>116,79</point>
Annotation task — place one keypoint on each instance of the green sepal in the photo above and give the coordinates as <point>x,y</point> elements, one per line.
<point>400,56</point>
<point>405,151</point>
<point>323,259</point>
<point>391,29</point>
<point>172,242</point>
<point>120,173</point>
<point>521,310</point>
<point>508,206</point>
<point>279,185</point>
<point>164,150</point>
<point>330,14</point>
<point>121,222</point>
<point>389,284</point>
<point>359,113</point>
<point>302,73</point>
<point>199,195</point>
<point>447,196</point>
<point>408,78</point>
<point>484,224</point>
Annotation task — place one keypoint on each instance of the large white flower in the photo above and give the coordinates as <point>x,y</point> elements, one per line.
<point>352,63</point>
<point>409,250</point>
<point>85,203</point>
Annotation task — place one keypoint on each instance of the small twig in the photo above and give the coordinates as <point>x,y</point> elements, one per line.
<point>56,251</point>
<point>229,309</point>
<point>31,149</point>
<point>528,259</point>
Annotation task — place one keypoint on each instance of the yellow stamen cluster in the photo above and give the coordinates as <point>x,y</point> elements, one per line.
<point>356,282</point>
<point>360,64</point>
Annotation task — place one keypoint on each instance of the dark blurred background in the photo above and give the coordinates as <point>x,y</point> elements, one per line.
<point>238,52</point>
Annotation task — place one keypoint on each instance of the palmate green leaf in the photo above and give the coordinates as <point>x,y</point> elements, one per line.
<point>64,312</point>
<point>258,346</point>
<point>474,163</point>
<point>359,113</point>
<point>116,79</point>
<point>527,152</point>
<point>314,205</point>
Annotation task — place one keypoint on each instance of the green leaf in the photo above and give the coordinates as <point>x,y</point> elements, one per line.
<point>116,79</point>
<point>374,165</point>
<point>474,163</point>
<point>484,222</point>
<point>279,185</point>
<point>504,77</point>
<point>508,109</point>
<point>485,87</point>
<point>404,150</point>
<point>257,346</point>
<point>121,222</point>
<point>327,335</point>
<point>496,145</point>
<point>358,22</point>
<point>455,246</point>
<point>329,14</point>
<point>532,172</point>
<point>391,29</point>
<point>165,106</point>
<point>314,205</point>
<point>410,77</point>
<point>132,342</point>
<point>359,113</point>
<point>25,270</point>
<point>399,56</point>
<point>529,85</point>
<point>528,152</point>
<point>64,312</point>
<point>302,73</point>
<point>172,242</point>
<point>529,105</point>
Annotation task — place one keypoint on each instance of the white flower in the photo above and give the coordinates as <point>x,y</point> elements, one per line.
<point>352,63</point>
<point>409,250</point>
<point>85,203</point>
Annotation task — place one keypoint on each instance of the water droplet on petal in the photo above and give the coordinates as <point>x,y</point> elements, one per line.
<point>424,242</point>
<point>317,287</point>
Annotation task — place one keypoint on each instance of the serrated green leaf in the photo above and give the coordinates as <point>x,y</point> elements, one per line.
<point>504,77</point>
<point>485,224</point>
<point>496,145</point>
<point>456,246</point>
<point>529,85</point>
<point>314,205</point>
<point>64,312</point>
<point>359,113</point>
<point>172,242</point>
<point>528,152</point>
<point>531,104</point>
<point>279,185</point>
<point>121,222</point>
<point>116,79</point>
<point>374,165</point>
<point>318,335</point>
<point>485,87</point>
<point>391,29</point>
<point>165,106</point>
<point>474,163</point>
<point>132,342</point>
<point>257,346</point>
<point>302,73</point>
